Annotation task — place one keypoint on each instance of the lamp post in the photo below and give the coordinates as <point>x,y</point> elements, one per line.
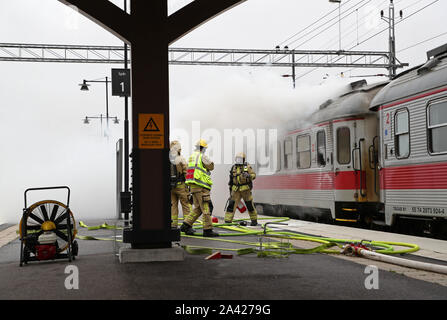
<point>126,141</point>
<point>339,21</point>
<point>84,87</point>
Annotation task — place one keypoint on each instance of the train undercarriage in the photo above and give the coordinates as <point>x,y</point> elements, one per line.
<point>369,216</point>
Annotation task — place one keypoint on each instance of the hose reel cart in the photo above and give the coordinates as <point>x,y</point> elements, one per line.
<point>47,230</point>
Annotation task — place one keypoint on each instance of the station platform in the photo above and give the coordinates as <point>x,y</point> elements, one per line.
<point>247,277</point>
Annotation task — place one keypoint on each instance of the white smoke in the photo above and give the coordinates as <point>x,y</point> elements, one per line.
<point>241,102</point>
<point>45,143</point>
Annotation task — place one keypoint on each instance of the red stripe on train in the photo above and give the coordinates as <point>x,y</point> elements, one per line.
<point>423,176</point>
<point>344,180</point>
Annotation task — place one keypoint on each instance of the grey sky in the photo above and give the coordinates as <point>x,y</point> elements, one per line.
<point>43,140</point>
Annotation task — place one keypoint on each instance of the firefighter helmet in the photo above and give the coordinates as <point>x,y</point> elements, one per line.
<point>175,146</point>
<point>201,143</point>
<point>240,158</point>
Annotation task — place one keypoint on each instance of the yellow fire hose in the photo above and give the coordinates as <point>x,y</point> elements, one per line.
<point>377,250</point>
<point>271,248</point>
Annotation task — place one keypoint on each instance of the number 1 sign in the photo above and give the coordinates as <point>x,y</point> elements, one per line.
<point>121,82</point>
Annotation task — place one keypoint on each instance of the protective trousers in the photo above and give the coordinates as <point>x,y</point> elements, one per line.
<point>201,198</point>
<point>179,193</point>
<point>236,197</point>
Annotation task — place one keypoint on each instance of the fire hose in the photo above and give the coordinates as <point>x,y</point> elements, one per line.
<point>375,250</point>
<point>366,253</point>
<point>237,230</point>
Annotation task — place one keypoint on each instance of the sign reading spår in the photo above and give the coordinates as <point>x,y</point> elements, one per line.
<point>121,82</point>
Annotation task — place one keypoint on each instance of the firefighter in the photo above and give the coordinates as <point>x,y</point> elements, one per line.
<point>241,184</point>
<point>198,178</point>
<point>179,190</point>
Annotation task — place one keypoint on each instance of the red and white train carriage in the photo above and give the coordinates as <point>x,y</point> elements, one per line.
<point>376,153</point>
<point>413,142</point>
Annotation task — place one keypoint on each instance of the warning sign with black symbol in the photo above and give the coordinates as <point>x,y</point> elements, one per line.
<point>151,130</point>
<point>151,126</point>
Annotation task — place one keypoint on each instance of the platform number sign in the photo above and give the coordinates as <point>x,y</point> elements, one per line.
<point>121,82</point>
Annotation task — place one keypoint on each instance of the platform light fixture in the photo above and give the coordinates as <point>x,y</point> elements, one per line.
<point>84,87</point>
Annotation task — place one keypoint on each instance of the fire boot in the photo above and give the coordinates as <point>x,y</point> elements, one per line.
<point>210,233</point>
<point>187,229</point>
<point>254,223</point>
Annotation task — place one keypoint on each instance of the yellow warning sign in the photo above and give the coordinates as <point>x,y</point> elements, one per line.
<point>151,131</point>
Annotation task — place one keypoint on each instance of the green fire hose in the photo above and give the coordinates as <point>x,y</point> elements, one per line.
<point>325,245</point>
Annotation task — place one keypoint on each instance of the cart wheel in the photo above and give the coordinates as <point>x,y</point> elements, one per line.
<point>54,215</point>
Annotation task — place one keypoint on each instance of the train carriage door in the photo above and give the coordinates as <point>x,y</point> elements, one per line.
<point>348,161</point>
<point>386,117</point>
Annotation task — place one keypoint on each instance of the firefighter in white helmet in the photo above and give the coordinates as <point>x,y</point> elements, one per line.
<point>198,178</point>
<point>179,190</point>
<point>241,184</point>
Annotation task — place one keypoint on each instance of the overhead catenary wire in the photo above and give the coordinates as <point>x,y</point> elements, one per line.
<point>378,33</point>
<point>364,18</point>
<point>331,42</point>
<point>382,22</point>
<point>344,15</point>
<point>349,30</point>
<point>422,42</point>
<point>403,19</point>
<point>355,10</point>
<point>341,18</point>
<point>312,24</point>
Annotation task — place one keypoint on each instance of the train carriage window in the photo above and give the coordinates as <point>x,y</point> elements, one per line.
<point>274,161</point>
<point>321,148</point>
<point>402,133</point>
<point>437,127</point>
<point>288,153</point>
<point>303,153</point>
<point>343,145</point>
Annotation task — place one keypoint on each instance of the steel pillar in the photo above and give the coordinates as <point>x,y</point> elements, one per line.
<point>149,31</point>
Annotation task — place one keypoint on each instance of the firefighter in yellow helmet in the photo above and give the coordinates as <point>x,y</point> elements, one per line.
<point>179,190</point>
<point>198,178</point>
<point>241,184</point>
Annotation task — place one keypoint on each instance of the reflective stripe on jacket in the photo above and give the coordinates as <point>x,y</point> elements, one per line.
<point>197,174</point>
